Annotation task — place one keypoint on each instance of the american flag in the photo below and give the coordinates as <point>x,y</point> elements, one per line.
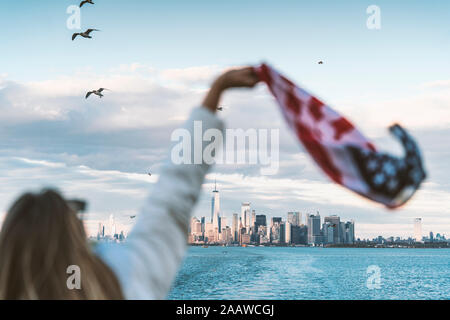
<point>342,151</point>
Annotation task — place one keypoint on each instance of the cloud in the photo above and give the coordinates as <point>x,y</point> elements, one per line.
<point>439,84</point>
<point>425,109</point>
<point>192,75</point>
<point>103,149</point>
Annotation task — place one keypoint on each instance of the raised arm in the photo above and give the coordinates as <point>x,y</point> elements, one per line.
<point>147,264</point>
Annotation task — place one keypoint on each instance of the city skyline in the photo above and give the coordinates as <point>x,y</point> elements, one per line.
<point>330,232</point>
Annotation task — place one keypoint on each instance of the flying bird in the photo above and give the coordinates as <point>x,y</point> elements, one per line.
<point>320,62</point>
<point>96,92</point>
<point>221,108</point>
<point>86,1</point>
<point>85,34</point>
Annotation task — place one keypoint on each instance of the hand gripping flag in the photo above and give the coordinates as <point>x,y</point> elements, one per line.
<point>341,151</point>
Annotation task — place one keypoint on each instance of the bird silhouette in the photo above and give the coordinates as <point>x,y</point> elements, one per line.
<point>96,92</point>
<point>320,62</point>
<point>85,34</point>
<point>86,1</point>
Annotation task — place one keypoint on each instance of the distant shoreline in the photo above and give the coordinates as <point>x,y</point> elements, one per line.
<point>417,246</point>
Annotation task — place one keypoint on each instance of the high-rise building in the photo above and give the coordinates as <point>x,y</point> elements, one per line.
<point>342,232</point>
<point>223,222</point>
<point>276,230</point>
<point>288,233</point>
<point>335,221</point>
<point>245,239</point>
<point>225,235</point>
<point>196,233</point>
<point>100,229</point>
<point>282,232</point>
<point>328,232</point>
<point>235,227</point>
<point>262,235</point>
<point>203,224</point>
<point>260,220</point>
<point>418,229</point>
<point>350,232</point>
<point>299,234</point>
<point>314,233</point>
<point>253,220</point>
<point>295,218</point>
<point>241,230</point>
<point>275,220</point>
<point>209,232</point>
<point>245,215</point>
<point>215,209</point>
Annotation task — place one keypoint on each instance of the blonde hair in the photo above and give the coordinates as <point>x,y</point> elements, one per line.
<point>40,238</point>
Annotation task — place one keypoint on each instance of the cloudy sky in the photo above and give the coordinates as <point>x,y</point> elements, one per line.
<point>158,58</point>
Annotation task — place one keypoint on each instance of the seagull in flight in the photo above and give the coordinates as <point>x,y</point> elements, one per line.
<point>85,34</point>
<point>86,1</point>
<point>96,92</point>
<point>221,108</point>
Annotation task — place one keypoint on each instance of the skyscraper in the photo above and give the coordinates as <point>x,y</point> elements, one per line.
<point>203,224</point>
<point>328,232</point>
<point>245,215</point>
<point>276,235</point>
<point>235,227</point>
<point>299,234</point>
<point>223,222</point>
<point>342,232</point>
<point>350,232</point>
<point>282,232</point>
<point>253,220</point>
<point>418,229</point>
<point>288,233</point>
<point>275,220</point>
<point>260,220</point>
<point>314,234</point>
<point>99,233</point>
<point>295,218</point>
<point>215,209</point>
<point>196,228</point>
<point>335,222</point>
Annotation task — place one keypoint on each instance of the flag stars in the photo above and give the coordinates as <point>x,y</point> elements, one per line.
<point>416,176</point>
<point>389,168</point>
<point>379,179</point>
<point>372,165</point>
<point>392,184</point>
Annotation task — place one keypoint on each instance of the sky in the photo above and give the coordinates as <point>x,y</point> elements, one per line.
<point>158,58</point>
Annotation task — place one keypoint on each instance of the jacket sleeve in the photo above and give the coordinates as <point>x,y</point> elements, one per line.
<point>147,263</point>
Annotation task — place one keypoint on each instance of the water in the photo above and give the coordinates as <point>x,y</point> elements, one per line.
<point>312,273</point>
